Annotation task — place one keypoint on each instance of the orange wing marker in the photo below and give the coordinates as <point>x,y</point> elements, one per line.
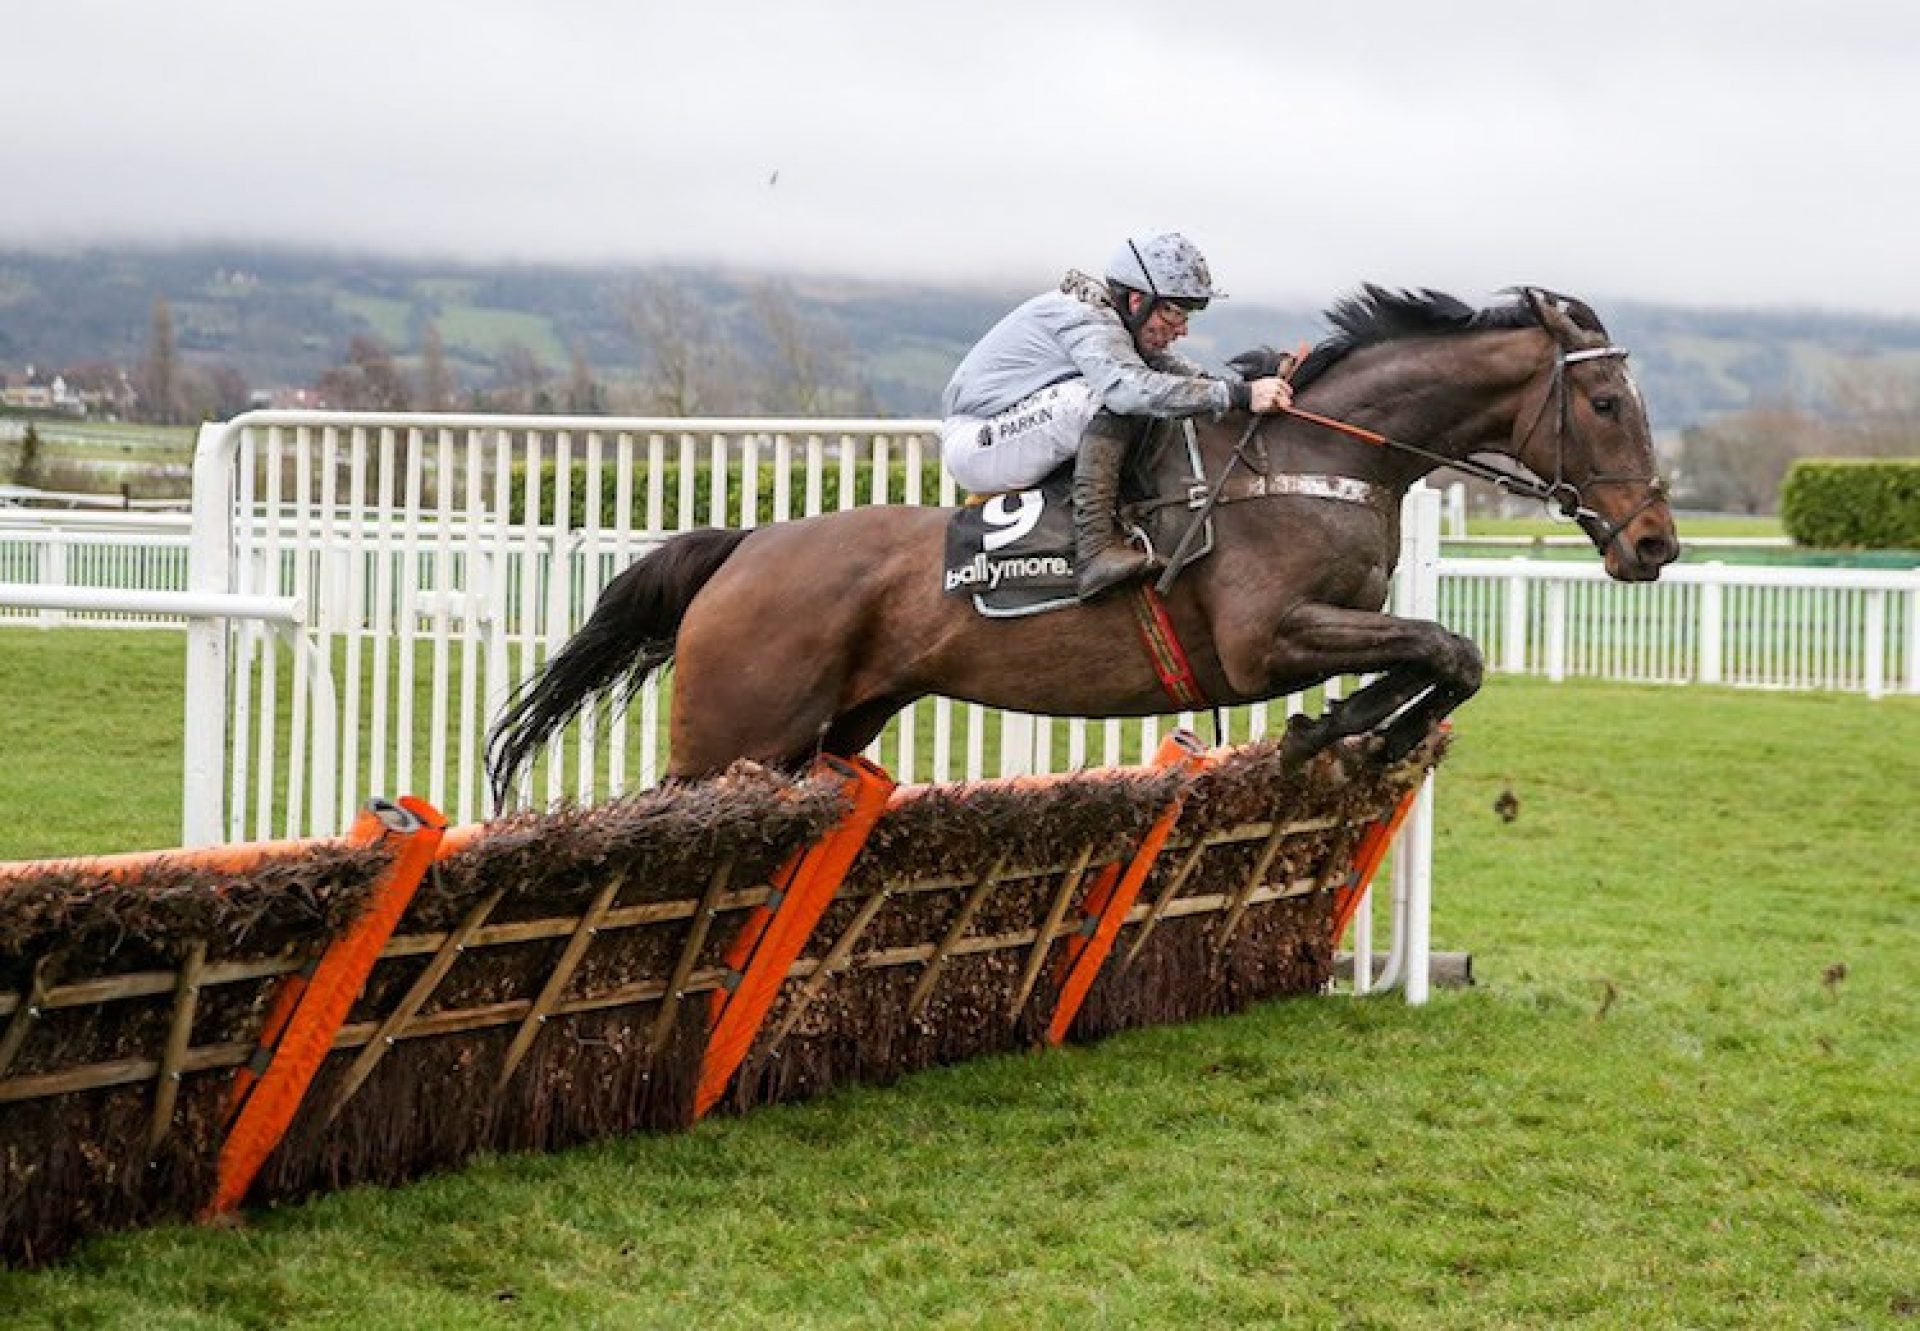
<point>308,1011</point>
<point>771,938</point>
<point>1367,857</point>
<point>1113,893</point>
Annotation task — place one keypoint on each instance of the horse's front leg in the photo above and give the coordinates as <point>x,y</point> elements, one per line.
<point>1425,672</point>
<point>1357,714</point>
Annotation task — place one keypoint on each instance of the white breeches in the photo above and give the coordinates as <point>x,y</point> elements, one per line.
<point>1016,449</point>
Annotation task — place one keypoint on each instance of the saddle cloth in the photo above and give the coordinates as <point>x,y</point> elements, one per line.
<point>1013,554</point>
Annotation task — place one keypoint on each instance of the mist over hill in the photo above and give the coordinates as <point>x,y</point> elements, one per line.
<point>282,318</point>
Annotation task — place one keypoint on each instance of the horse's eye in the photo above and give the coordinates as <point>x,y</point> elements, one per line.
<point>1605,406</point>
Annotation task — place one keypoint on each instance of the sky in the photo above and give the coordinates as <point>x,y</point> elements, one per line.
<point>1710,152</point>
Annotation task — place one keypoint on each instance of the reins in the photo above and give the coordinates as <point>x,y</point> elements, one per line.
<point>1560,492</point>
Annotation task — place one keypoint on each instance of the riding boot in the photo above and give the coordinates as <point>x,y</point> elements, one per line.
<point>1102,555</point>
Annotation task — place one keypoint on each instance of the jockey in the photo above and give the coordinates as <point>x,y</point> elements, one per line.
<point>1048,381</point>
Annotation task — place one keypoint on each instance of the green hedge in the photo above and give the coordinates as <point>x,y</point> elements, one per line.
<point>1865,504</point>
<point>703,491</point>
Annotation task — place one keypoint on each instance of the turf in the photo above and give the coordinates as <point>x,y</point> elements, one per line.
<point>90,740</point>
<point>1684,1093</point>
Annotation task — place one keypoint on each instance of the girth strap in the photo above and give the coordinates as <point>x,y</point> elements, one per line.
<point>1345,489</point>
<point>1163,648</point>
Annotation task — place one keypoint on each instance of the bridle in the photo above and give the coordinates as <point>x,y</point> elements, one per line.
<point>1564,493</point>
<point>1560,492</point>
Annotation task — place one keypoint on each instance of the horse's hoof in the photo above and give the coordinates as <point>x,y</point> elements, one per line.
<point>1349,758</point>
<point>1368,748</point>
<point>1301,740</point>
<point>1398,742</point>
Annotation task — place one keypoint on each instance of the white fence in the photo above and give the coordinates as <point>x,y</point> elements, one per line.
<point>426,595</point>
<point>97,551</point>
<point>1758,626</point>
<point>434,579</point>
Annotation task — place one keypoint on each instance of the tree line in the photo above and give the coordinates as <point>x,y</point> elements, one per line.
<point>768,355</point>
<point>1736,463</point>
<point>773,357</point>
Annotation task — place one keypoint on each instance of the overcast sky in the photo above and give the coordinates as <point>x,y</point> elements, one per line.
<point>1728,152</point>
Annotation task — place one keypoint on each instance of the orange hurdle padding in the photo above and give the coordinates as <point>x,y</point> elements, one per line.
<point>770,940</point>
<point>267,1102</point>
<point>1113,893</point>
<point>236,858</point>
<point>1367,858</point>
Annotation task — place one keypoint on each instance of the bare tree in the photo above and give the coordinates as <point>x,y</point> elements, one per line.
<point>521,379</point>
<point>1876,409</point>
<point>436,377</point>
<point>585,396</point>
<point>685,360</point>
<point>160,372</point>
<point>1736,463</point>
<point>367,380</point>
<point>811,358</point>
<point>214,393</point>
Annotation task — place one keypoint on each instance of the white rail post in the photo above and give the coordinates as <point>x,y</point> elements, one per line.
<point>1712,624</point>
<point>1913,636</point>
<point>209,570</point>
<point>1413,850</point>
<point>1514,653</point>
<point>1557,630</point>
<point>1875,646</point>
<point>1415,857</point>
<point>53,573</point>
<point>1016,744</point>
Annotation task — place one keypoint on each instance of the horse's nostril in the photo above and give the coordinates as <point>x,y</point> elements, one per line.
<point>1656,551</point>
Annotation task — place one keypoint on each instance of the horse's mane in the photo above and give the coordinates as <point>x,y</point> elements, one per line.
<point>1376,314</point>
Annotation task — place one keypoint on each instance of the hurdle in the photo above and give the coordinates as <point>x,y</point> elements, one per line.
<point>184,1033</point>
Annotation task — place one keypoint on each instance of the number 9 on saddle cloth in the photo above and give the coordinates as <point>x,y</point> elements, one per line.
<point>1013,552</point>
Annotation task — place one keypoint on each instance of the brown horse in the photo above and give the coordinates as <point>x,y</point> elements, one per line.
<point>806,637</point>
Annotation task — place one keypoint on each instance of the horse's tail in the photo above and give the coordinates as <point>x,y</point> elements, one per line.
<point>629,635</point>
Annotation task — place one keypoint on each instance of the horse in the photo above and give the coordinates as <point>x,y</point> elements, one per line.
<point>804,638</point>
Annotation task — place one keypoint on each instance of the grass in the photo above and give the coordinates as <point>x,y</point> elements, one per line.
<point>1683,1094</point>
<point>93,740</point>
<point>1707,527</point>
<point>67,440</point>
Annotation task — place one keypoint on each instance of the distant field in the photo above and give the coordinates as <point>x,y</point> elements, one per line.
<point>479,331</point>
<point>112,441</point>
<point>389,317</point>
<point>485,331</point>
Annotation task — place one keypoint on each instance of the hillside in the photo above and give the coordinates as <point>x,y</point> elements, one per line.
<point>281,318</point>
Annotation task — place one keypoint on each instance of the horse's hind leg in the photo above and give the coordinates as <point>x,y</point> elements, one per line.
<point>704,743</point>
<point>852,731</point>
<point>727,710</point>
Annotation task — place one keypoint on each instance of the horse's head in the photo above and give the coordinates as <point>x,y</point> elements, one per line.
<point>1584,431</point>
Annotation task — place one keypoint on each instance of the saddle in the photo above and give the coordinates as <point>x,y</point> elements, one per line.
<point>1013,553</point>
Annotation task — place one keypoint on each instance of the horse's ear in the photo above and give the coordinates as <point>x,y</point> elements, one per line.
<point>1555,317</point>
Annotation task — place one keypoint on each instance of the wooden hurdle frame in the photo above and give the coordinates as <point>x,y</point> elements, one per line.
<point>750,966</point>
